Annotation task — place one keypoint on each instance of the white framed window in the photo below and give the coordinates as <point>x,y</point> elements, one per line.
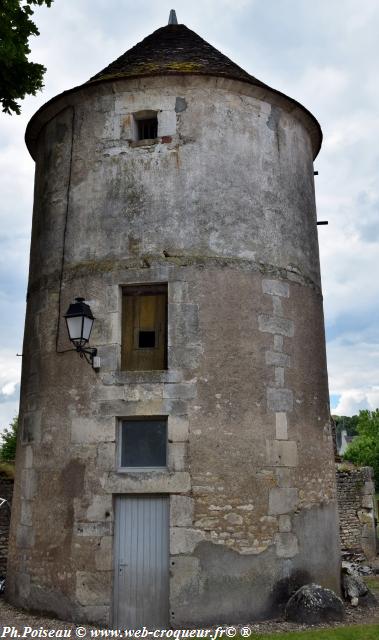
<point>142,443</point>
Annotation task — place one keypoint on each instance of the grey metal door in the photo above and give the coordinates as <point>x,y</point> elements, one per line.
<point>141,562</point>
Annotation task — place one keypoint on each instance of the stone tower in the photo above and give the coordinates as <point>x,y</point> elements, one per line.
<point>189,480</point>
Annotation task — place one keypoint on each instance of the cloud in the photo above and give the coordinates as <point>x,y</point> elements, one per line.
<point>353,363</point>
<point>9,389</point>
<point>10,371</point>
<point>352,401</point>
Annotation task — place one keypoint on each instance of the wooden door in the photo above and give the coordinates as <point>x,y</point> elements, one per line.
<point>141,562</point>
<point>144,329</point>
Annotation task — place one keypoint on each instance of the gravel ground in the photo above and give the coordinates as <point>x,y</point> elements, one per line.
<point>9,616</point>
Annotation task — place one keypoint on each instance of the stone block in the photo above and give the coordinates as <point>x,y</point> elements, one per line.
<point>276,288</point>
<point>181,511</point>
<point>183,540</point>
<point>143,377</point>
<point>147,482</point>
<point>285,525</point>
<point>166,123</point>
<point>106,455</point>
<point>28,459</point>
<point>365,517</point>
<point>271,324</point>
<point>178,428</point>
<point>104,554</point>
<point>28,484</point>
<point>113,298</point>
<point>181,391</point>
<point>207,523</point>
<point>281,426</point>
<point>110,357</point>
<point>26,513</point>
<point>282,501</point>
<point>143,392</point>
<point>284,477</point>
<point>23,585</point>
<point>93,529</point>
<point>183,324</point>
<point>279,399</point>
<point>109,393</point>
<point>279,376</point>
<point>185,576</point>
<point>24,537</point>
<point>177,452</point>
<point>100,508</point>
<point>277,308</point>
<point>233,518</point>
<point>92,430</point>
<point>107,329</point>
<point>31,427</point>
<point>367,502</point>
<point>286,545</point>
<point>93,588</point>
<point>281,453</point>
<point>278,359</point>
<point>368,488</point>
<point>185,357</point>
<point>278,343</point>
<point>178,291</point>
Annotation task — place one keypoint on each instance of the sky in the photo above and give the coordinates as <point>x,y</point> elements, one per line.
<point>325,55</point>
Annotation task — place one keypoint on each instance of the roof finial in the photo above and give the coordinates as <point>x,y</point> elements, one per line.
<point>172,17</point>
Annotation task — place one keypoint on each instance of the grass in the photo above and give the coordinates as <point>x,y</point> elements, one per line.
<point>359,632</point>
<point>7,469</point>
<point>372,583</point>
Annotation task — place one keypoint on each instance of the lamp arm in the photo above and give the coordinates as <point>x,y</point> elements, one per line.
<point>89,351</point>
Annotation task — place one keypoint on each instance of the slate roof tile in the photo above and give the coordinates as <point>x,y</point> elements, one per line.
<point>173,49</point>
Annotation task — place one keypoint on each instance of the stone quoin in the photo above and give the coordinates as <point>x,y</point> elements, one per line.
<point>190,479</point>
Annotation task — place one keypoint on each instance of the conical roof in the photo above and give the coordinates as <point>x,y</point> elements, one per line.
<point>173,49</point>
<point>170,50</point>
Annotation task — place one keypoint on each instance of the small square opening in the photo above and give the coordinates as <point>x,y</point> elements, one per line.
<point>146,340</point>
<point>147,128</point>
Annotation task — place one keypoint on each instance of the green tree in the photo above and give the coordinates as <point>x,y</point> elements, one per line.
<point>18,76</point>
<point>364,450</point>
<point>346,422</point>
<point>9,441</point>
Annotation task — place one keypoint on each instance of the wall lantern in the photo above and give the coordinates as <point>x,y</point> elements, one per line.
<point>79,321</point>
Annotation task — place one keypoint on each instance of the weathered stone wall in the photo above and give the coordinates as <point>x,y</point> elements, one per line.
<point>222,209</point>
<point>6,492</point>
<point>357,509</point>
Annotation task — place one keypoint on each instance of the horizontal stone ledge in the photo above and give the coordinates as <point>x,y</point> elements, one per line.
<point>107,267</point>
<point>148,482</point>
<point>142,377</point>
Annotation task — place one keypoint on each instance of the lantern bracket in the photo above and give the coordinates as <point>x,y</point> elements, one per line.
<point>88,354</point>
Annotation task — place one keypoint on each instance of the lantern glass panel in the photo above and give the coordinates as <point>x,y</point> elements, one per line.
<point>74,325</point>
<point>87,327</point>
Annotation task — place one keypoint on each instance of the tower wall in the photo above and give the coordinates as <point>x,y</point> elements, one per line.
<point>222,209</point>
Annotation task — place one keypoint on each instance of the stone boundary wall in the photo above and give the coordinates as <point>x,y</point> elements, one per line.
<point>6,491</point>
<point>357,509</point>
